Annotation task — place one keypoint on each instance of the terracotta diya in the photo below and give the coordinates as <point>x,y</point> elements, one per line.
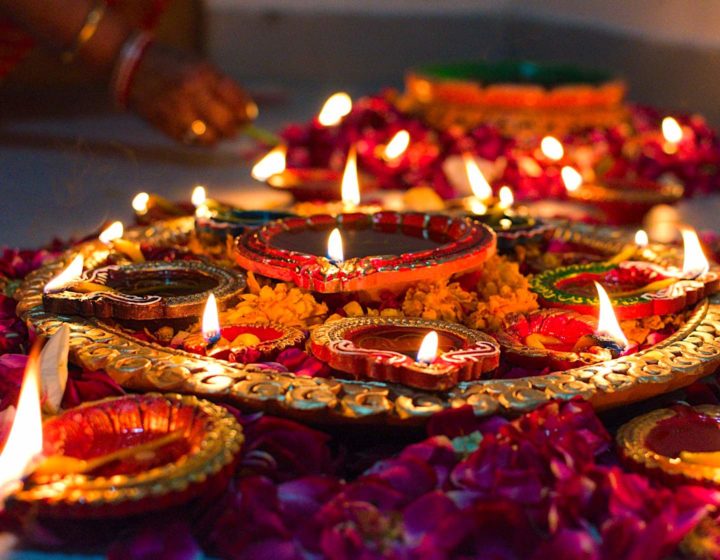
<point>145,291</point>
<point>679,444</point>
<point>214,228</point>
<point>637,289</point>
<point>384,250</point>
<point>132,454</point>
<point>386,349</point>
<point>626,201</point>
<point>554,339</point>
<point>247,342</point>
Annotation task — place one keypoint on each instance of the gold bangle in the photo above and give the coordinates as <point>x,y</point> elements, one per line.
<point>92,21</point>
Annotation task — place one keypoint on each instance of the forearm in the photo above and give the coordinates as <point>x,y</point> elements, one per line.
<point>56,23</point>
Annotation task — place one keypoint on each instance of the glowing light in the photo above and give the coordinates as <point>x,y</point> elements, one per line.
<point>397,145</point>
<point>272,163</point>
<point>671,130</point>
<point>478,208</point>
<point>335,108</point>
<point>507,199</point>
<point>607,321</point>
<point>695,263</point>
<point>350,184</point>
<point>24,442</point>
<point>641,238</point>
<point>140,203</point>
<point>571,178</point>
<point>479,185</point>
<point>428,348</point>
<point>68,276</point>
<point>203,211</point>
<point>335,247</point>
<point>199,196</point>
<point>552,148</point>
<point>111,233</point>
<point>211,321</point>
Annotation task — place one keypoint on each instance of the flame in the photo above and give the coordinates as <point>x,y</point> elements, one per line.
<point>335,108</point>
<point>695,263</point>
<point>478,208</point>
<point>607,321</point>
<point>203,211</point>
<point>479,185</point>
<point>140,202</point>
<point>507,199</point>
<point>552,148</point>
<point>571,178</point>
<point>211,321</point>
<point>428,348</point>
<point>272,163</point>
<point>641,238</point>
<point>199,196</point>
<point>671,130</point>
<point>335,246</point>
<point>68,276</point>
<point>350,184</point>
<point>111,233</point>
<point>25,440</point>
<point>397,145</point>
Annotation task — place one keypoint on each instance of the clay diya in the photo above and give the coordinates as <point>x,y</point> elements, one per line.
<point>132,454</point>
<point>145,291</point>
<point>386,349</point>
<point>214,228</point>
<point>385,250</point>
<point>246,342</point>
<point>626,201</point>
<point>637,289</point>
<point>554,339</point>
<point>679,444</point>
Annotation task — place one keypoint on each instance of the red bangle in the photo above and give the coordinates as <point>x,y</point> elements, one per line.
<point>127,63</point>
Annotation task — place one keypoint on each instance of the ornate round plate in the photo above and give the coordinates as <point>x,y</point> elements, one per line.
<point>691,352</point>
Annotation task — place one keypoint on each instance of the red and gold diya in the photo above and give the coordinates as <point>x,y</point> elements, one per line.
<point>679,444</point>
<point>143,291</point>
<point>389,349</point>
<point>555,339</point>
<point>386,250</point>
<point>637,289</point>
<point>132,454</point>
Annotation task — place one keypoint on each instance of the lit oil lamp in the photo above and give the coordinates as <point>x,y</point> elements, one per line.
<point>432,355</point>
<point>141,291</point>
<point>638,288</point>
<point>385,250</point>
<point>396,147</point>
<point>152,207</point>
<point>672,134</point>
<point>241,342</point>
<point>113,237</point>
<point>633,250</point>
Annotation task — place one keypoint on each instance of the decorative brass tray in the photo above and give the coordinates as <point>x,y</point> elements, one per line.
<point>690,353</point>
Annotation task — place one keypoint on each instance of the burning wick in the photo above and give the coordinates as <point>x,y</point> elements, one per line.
<point>428,349</point>
<point>140,203</point>
<point>199,196</point>
<point>67,277</point>
<point>506,198</point>
<point>672,133</point>
<point>552,148</point>
<point>608,325</point>
<point>641,238</point>
<point>272,163</point>
<point>335,108</point>
<point>350,189</point>
<point>630,250</point>
<point>571,178</point>
<point>397,145</point>
<point>478,184</point>
<point>211,322</point>
<point>335,247</point>
<point>112,236</point>
<point>695,264</point>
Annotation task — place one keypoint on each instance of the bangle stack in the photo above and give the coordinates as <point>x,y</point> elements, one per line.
<point>126,65</point>
<point>92,21</point>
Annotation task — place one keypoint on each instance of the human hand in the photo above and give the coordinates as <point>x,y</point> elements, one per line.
<point>187,98</point>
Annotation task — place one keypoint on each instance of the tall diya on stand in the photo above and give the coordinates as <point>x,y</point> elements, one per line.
<point>391,350</point>
<point>386,250</point>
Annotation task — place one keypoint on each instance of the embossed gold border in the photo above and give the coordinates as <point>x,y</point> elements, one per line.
<point>692,352</point>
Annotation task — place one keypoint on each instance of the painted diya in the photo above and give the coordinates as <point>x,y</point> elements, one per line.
<point>637,289</point>
<point>514,229</point>
<point>386,349</point>
<point>133,454</point>
<point>385,250</point>
<point>246,343</point>
<point>679,444</point>
<point>146,291</point>
<point>554,339</point>
<point>214,228</point>
<point>626,201</point>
